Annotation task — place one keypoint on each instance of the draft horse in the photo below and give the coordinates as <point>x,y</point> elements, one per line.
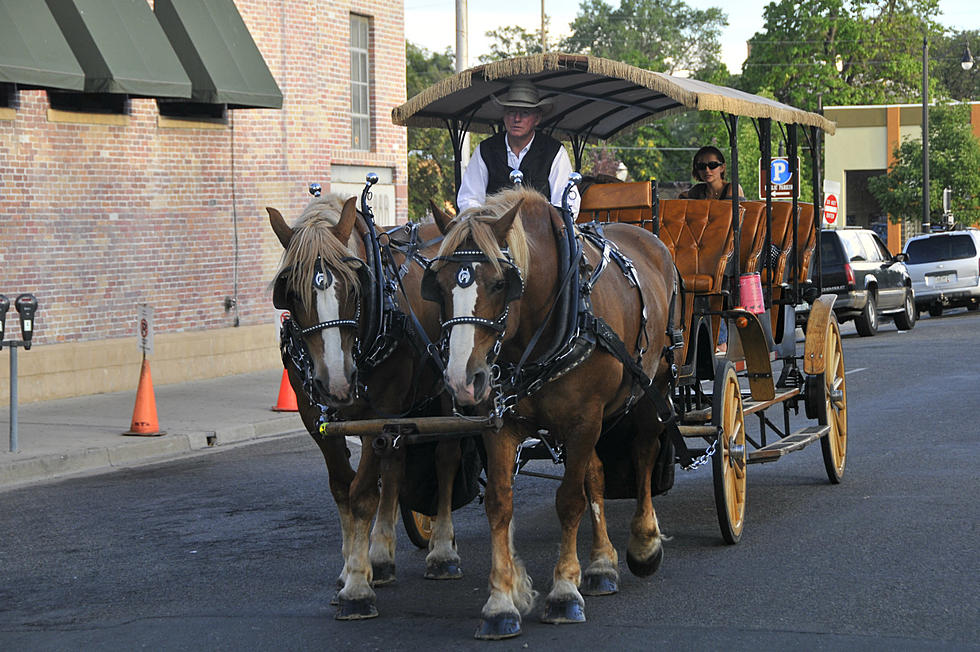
<point>500,277</point>
<point>330,287</point>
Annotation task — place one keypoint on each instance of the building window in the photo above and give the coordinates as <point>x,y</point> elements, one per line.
<point>191,110</point>
<point>112,103</point>
<point>8,96</point>
<point>360,96</point>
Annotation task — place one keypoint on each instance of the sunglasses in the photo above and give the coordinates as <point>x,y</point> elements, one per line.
<point>701,166</point>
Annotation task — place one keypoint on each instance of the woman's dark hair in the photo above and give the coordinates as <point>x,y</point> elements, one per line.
<point>707,149</point>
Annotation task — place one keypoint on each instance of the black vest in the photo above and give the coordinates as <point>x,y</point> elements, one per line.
<point>536,165</point>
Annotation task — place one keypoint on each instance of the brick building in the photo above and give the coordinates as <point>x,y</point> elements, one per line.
<point>148,202</point>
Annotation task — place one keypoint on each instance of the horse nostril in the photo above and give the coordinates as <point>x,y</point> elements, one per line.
<point>479,382</point>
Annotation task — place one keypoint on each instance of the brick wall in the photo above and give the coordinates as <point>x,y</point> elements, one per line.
<point>95,218</point>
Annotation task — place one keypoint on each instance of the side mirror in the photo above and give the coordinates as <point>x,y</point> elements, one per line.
<point>901,257</point>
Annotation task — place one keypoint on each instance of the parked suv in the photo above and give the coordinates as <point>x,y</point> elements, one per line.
<point>945,269</point>
<point>868,280</point>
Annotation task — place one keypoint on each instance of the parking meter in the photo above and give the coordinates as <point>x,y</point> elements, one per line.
<point>4,306</point>
<point>26,305</point>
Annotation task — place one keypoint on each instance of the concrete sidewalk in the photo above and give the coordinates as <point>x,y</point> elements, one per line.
<point>84,435</point>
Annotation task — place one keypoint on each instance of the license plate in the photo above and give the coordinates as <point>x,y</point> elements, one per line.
<point>942,278</point>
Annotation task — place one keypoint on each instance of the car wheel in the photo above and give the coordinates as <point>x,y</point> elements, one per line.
<point>905,320</point>
<point>867,321</point>
<point>935,310</point>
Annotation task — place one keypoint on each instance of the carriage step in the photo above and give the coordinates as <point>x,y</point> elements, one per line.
<point>788,444</point>
<point>751,407</point>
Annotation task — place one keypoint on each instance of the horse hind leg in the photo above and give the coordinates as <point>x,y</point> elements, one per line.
<point>645,550</point>
<point>602,575</point>
<point>442,562</point>
<point>383,538</point>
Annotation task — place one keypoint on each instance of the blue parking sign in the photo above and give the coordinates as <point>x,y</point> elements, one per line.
<point>779,171</point>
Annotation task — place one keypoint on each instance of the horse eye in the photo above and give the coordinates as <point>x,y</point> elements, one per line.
<point>499,286</point>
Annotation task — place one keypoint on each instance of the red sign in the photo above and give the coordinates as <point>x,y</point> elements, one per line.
<point>830,209</point>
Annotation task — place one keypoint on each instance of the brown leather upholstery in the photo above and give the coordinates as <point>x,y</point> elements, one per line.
<point>698,233</point>
<point>808,239</point>
<point>782,237</point>
<point>631,203</point>
<point>753,235</point>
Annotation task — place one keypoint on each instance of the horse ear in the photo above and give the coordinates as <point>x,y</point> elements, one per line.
<point>283,232</point>
<point>441,217</point>
<point>346,222</point>
<point>501,227</point>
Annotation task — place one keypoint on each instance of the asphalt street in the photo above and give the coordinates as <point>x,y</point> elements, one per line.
<point>239,549</point>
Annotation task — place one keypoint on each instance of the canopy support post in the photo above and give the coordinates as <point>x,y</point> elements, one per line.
<point>795,172</point>
<point>815,136</point>
<point>731,122</point>
<point>765,148</point>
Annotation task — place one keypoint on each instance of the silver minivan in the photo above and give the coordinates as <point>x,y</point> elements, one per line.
<point>945,270</point>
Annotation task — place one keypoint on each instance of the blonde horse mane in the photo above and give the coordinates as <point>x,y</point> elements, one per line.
<point>313,238</point>
<point>476,224</point>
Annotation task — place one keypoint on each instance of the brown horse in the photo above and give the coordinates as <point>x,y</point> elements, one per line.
<point>487,313</point>
<point>325,283</point>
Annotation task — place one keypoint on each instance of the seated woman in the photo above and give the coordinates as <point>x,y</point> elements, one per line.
<point>709,170</point>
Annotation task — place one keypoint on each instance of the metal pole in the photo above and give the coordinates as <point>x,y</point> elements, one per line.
<point>544,39</point>
<point>462,62</point>
<point>13,397</point>
<point>925,135</point>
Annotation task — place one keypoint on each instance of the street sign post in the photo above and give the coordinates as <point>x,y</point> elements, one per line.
<point>144,320</point>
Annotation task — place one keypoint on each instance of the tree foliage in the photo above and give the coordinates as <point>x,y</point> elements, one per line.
<point>954,161</point>
<point>877,42</point>
<point>430,151</point>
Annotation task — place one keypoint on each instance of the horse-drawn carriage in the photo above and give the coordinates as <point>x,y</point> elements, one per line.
<point>522,313</point>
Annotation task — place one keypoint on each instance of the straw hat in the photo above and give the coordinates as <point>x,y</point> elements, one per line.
<point>522,94</point>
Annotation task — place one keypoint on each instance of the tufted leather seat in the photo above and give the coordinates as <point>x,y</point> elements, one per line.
<point>782,238</point>
<point>808,239</point>
<point>753,235</point>
<point>698,233</point>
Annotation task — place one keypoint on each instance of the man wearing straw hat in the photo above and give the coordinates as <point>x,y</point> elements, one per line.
<point>540,157</point>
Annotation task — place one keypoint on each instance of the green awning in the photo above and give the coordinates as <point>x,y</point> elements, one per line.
<point>32,50</point>
<point>121,47</point>
<point>218,53</point>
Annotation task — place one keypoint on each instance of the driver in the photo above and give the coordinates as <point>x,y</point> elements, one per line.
<point>540,157</point>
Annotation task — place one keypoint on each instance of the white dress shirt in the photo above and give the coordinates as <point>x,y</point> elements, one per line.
<point>473,187</point>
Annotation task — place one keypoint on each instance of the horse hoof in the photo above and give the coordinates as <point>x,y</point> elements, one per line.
<point>356,609</point>
<point>383,573</point>
<point>504,625</point>
<point>644,568</point>
<point>446,569</point>
<point>599,584</point>
<point>560,612</point>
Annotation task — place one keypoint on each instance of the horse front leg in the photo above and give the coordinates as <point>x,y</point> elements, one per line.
<point>511,593</point>
<point>602,575</point>
<point>645,550</point>
<point>442,562</point>
<point>564,603</point>
<point>383,538</point>
<point>356,599</point>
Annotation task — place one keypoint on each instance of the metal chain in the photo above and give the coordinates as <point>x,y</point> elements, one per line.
<point>702,459</point>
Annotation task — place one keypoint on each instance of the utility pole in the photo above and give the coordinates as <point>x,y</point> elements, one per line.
<point>462,63</point>
<point>926,226</point>
<point>544,38</point>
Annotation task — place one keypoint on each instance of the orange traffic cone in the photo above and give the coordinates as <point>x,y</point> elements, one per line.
<point>145,411</point>
<point>287,397</point>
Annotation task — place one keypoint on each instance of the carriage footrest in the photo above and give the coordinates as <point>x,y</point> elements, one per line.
<point>788,444</point>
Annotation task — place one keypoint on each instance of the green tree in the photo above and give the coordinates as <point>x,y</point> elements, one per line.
<point>662,35</point>
<point>430,152</point>
<point>513,41</point>
<point>945,56</point>
<point>954,161</point>
<point>877,42</point>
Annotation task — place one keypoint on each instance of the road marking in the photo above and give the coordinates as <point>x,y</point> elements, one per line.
<point>854,371</point>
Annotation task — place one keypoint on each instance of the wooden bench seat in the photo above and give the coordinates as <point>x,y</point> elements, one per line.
<point>630,203</point>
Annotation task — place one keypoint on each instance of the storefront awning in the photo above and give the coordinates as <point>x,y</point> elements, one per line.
<point>218,53</point>
<point>33,51</point>
<point>121,47</point>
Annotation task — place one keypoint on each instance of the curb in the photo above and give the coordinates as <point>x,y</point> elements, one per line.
<point>145,450</point>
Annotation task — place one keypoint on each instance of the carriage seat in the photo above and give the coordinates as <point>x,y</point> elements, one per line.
<point>630,203</point>
<point>698,233</point>
<point>781,238</point>
<point>752,235</point>
<point>808,240</point>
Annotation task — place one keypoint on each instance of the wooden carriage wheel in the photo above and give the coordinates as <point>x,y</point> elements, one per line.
<point>418,526</point>
<point>834,444</point>
<point>729,460</point>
